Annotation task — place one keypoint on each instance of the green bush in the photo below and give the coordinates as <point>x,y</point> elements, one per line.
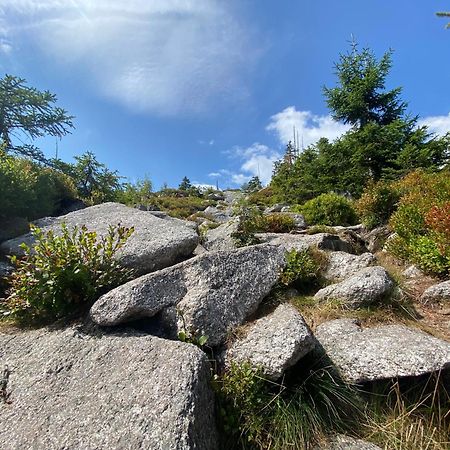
<point>63,274</point>
<point>250,218</point>
<point>277,223</point>
<point>422,223</point>
<point>377,203</point>
<point>329,209</point>
<point>302,268</point>
<point>30,190</point>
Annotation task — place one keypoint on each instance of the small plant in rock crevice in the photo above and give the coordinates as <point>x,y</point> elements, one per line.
<point>63,274</point>
<point>190,337</point>
<point>302,268</point>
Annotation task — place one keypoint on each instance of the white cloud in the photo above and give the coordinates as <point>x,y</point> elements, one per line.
<point>439,125</point>
<point>162,56</point>
<point>310,128</point>
<point>214,175</point>
<point>203,186</point>
<point>257,160</point>
<point>5,47</point>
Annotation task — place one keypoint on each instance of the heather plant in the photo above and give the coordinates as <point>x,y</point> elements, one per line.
<point>377,203</point>
<point>421,222</point>
<point>62,274</point>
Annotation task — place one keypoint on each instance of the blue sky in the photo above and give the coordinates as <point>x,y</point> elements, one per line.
<point>212,89</point>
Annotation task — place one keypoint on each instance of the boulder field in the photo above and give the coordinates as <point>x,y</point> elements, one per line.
<point>110,383</point>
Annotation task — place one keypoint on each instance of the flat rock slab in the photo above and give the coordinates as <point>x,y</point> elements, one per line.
<point>342,265</point>
<point>273,343</point>
<point>437,293</point>
<point>299,242</point>
<point>212,292</point>
<point>384,352</point>
<point>363,288</point>
<point>156,243</point>
<point>68,390</point>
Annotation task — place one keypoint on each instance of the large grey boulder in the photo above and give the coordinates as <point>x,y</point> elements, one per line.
<point>437,293</point>
<point>155,243</point>
<point>220,238</point>
<point>299,242</point>
<point>212,292</point>
<point>233,197</point>
<point>383,352</point>
<point>218,215</point>
<point>341,442</point>
<point>69,390</point>
<point>342,265</point>
<point>273,343</point>
<point>363,288</point>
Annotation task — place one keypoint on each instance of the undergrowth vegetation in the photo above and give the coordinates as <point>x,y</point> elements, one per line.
<point>257,413</point>
<point>328,209</point>
<point>63,274</point>
<point>302,268</point>
<point>421,222</point>
<point>31,190</point>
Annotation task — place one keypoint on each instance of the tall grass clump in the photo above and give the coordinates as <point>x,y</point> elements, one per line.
<point>410,414</point>
<point>292,413</point>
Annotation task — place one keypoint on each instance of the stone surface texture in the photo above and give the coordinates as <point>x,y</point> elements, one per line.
<point>383,352</point>
<point>156,242</point>
<point>363,288</point>
<point>342,442</point>
<point>437,293</point>
<point>69,390</point>
<point>220,238</point>
<point>299,242</point>
<point>273,343</point>
<point>212,292</point>
<point>342,265</point>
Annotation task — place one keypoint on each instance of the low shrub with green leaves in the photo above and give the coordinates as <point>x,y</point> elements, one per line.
<point>328,209</point>
<point>421,222</point>
<point>277,223</point>
<point>302,268</point>
<point>259,414</point>
<point>250,218</point>
<point>62,274</point>
<point>377,203</point>
<point>30,190</point>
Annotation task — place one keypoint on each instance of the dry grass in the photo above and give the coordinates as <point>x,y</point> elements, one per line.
<point>391,310</point>
<point>398,422</point>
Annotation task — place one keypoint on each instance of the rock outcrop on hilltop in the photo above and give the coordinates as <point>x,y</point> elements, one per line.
<point>127,382</point>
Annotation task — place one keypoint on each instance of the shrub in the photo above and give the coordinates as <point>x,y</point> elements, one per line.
<point>62,275</point>
<point>303,267</point>
<point>329,209</point>
<point>30,190</point>
<point>277,223</point>
<point>377,203</point>
<point>249,223</point>
<point>264,197</point>
<point>422,222</point>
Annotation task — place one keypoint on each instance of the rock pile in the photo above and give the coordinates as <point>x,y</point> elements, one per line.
<point>109,385</point>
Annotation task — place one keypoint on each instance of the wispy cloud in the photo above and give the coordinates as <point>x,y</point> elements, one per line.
<point>163,56</point>
<point>256,160</point>
<point>439,125</point>
<point>310,128</point>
